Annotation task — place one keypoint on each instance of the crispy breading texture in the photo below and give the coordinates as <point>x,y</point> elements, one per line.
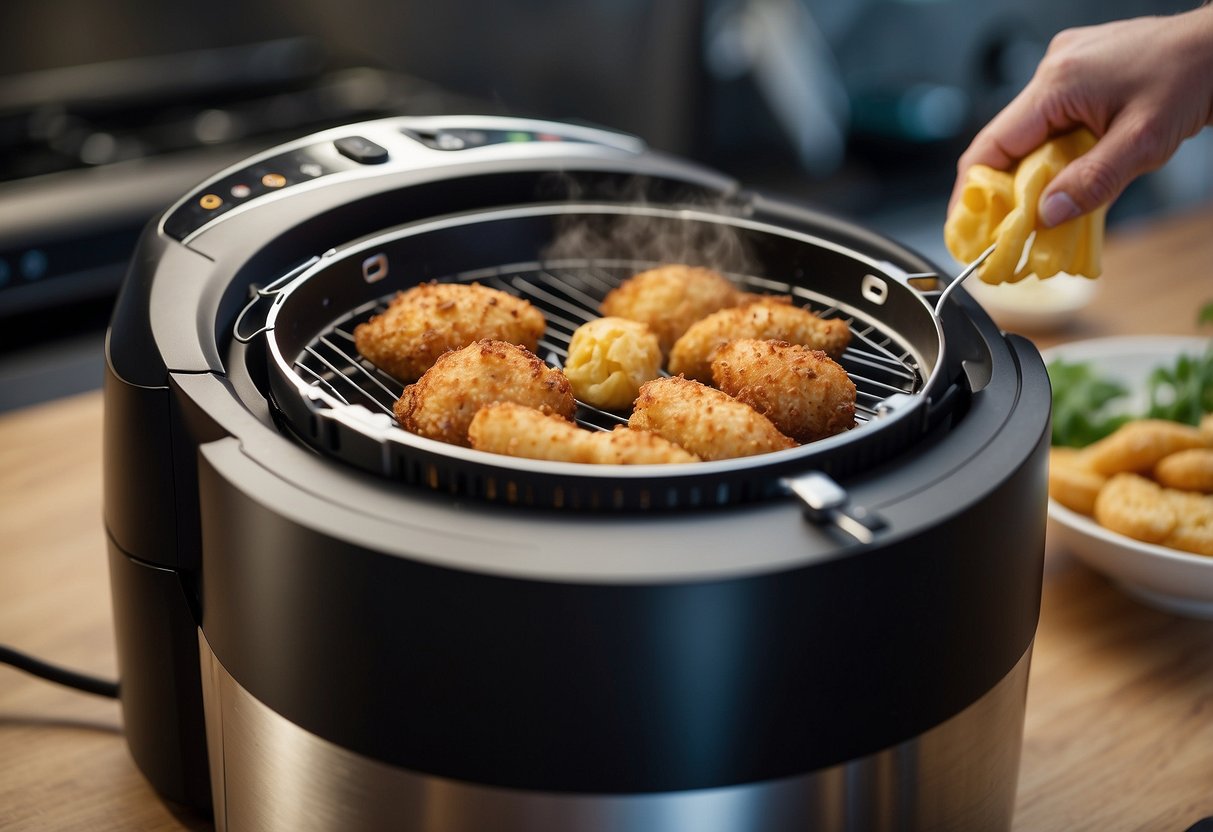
<point>670,298</point>
<point>704,421</point>
<point>1071,482</point>
<point>765,319</point>
<point>441,404</point>
<point>1135,507</point>
<point>1143,510</point>
<point>805,393</point>
<point>517,430</point>
<point>422,323</point>
<point>1194,530</point>
<point>1190,470</point>
<point>609,358</point>
<point>1139,445</point>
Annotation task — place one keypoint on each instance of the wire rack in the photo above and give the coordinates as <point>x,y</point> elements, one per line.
<point>569,292</point>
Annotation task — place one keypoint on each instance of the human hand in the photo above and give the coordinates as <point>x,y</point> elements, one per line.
<point>1142,86</point>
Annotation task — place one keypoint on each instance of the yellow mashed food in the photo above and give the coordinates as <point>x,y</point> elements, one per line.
<point>609,359</point>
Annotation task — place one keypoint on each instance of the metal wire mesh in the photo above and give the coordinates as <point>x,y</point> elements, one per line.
<point>568,292</point>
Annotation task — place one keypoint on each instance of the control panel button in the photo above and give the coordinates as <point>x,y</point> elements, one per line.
<point>361,150</point>
<point>246,185</point>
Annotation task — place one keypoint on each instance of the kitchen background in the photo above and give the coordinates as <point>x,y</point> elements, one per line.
<point>111,110</point>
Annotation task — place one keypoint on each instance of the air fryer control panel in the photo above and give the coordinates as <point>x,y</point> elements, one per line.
<point>373,147</point>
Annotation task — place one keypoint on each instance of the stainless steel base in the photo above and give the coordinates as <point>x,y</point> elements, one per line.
<point>268,774</point>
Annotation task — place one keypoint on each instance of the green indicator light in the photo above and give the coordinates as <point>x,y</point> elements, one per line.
<point>517,136</point>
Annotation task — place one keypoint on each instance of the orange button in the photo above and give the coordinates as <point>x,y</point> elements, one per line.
<point>210,202</point>
<point>273,180</point>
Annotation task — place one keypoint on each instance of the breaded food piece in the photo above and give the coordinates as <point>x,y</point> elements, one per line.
<point>1141,509</point>
<point>805,393</point>
<point>704,421</point>
<point>1206,424</point>
<point>670,298</point>
<point>628,446</point>
<point>1071,482</point>
<point>441,404</point>
<point>609,358</point>
<point>425,321</point>
<point>1138,446</point>
<point>1190,470</point>
<point>1135,507</point>
<point>1193,530</point>
<point>517,430</point>
<point>773,319</point>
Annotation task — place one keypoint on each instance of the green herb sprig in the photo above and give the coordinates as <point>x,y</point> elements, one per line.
<point>1087,407</point>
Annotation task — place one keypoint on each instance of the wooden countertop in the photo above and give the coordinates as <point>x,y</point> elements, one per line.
<point>1119,729</point>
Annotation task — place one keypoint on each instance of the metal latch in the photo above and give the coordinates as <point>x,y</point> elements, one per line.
<point>825,501</point>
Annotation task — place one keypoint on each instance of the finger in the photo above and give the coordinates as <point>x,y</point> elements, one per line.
<point>1100,175</point>
<point>1015,132</point>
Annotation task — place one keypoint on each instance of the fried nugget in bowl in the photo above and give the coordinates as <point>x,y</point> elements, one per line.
<point>768,318</point>
<point>704,421</point>
<point>442,403</point>
<point>609,358</point>
<point>1141,444</point>
<point>805,393</point>
<point>422,323</point>
<point>517,430</point>
<point>1072,482</point>
<point>1190,470</point>
<point>1169,575</point>
<point>670,298</point>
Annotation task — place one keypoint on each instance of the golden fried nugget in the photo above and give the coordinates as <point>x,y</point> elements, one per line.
<point>1139,445</point>
<point>1206,424</point>
<point>1136,507</point>
<point>427,320</point>
<point>763,320</point>
<point>804,392</point>
<point>1141,509</point>
<point>441,404</point>
<point>517,430</point>
<point>1071,482</point>
<point>704,421</point>
<point>609,358</point>
<point>671,298</point>
<point>1190,470</point>
<point>1193,530</point>
<point>628,446</point>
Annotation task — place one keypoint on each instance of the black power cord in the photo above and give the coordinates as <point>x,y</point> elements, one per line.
<point>60,675</point>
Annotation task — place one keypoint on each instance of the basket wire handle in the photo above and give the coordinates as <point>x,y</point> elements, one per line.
<point>271,289</point>
<point>960,278</point>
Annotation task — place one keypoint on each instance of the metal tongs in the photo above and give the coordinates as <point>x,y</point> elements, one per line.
<point>961,278</point>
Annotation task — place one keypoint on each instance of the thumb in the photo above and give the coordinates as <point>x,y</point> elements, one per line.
<point>1096,178</point>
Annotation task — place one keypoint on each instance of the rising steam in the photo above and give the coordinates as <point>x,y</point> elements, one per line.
<point>637,234</point>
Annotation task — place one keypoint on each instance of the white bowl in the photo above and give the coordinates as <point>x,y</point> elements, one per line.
<point>1168,579</point>
<point>1034,305</point>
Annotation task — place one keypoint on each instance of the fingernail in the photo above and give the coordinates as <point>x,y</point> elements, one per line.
<point>1057,208</point>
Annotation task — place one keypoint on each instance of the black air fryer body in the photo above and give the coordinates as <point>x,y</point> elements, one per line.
<point>372,634</point>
